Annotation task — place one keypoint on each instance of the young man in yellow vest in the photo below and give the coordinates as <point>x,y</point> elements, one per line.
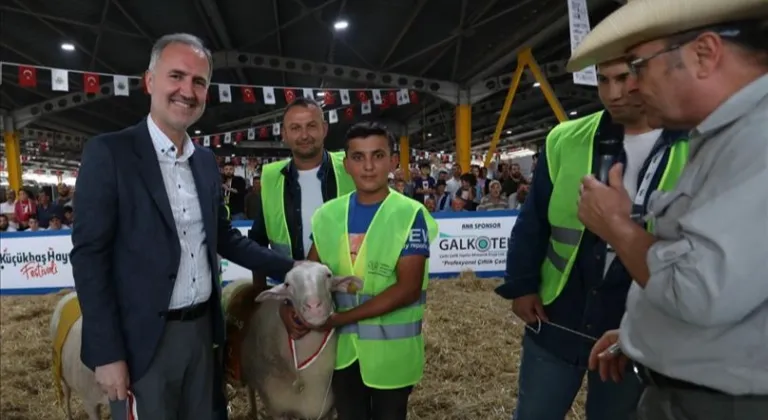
<point>563,280</point>
<point>292,189</point>
<point>382,237</point>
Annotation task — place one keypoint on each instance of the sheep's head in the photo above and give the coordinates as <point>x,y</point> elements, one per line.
<point>308,286</point>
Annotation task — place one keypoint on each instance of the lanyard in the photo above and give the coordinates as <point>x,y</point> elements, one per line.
<point>638,204</point>
<point>645,185</point>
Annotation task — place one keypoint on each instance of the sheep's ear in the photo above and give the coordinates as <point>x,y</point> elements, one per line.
<point>349,284</point>
<point>279,292</point>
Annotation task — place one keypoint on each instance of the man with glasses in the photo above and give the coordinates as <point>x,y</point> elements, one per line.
<point>565,284</point>
<point>697,312</point>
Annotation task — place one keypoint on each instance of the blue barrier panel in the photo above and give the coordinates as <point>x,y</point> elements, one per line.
<point>38,262</point>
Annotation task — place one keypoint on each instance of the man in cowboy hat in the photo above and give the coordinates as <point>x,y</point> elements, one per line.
<point>564,283</point>
<point>697,312</point>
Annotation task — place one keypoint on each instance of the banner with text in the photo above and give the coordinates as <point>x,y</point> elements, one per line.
<point>38,262</point>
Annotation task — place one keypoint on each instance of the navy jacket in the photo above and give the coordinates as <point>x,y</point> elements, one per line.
<point>126,250</point>
<point>292,202</point>
<point>589,303</point>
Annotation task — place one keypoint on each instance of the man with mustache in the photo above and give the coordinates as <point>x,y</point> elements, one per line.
<point>696,323</point>
<point>292,189</point>
<point>151,221</point>
<point>563,280</point>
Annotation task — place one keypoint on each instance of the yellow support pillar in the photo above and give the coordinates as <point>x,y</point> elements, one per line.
<point>13,158</point>
<point>464,136</point>
<point>546,88</point>
<point>525,58</point>
<point>405,157</point>
<point>505,111</point>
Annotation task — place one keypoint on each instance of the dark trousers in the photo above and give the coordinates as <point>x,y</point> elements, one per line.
<point>179,382</point>
<point>356,401</point>
<point>219,386</point>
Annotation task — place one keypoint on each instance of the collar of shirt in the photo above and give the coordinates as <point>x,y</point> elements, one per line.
<point>735,107</point>
<point>165,147</point>
<point>291,170</point>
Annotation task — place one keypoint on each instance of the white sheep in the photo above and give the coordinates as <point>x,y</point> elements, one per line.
<point>268,363</point>
<point>75,376</point>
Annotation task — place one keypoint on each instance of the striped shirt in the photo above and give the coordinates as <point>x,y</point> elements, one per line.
<point>193,278</point>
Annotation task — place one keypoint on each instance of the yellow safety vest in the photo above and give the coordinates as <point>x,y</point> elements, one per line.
<point>273,199</point>
<point>569,148</point>
<point>389,348</point>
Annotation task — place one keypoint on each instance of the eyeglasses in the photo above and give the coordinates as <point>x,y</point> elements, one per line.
<point>725,32</point>
<point>638,63</point>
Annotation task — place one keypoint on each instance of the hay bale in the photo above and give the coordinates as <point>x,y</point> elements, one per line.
<point>472,340</point>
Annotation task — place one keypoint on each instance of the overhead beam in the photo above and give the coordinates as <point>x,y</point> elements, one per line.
<point>414,13</point>
<point>65,35</point>
<point>220,28</point>
<point>330,56</point>
<point>234,59</point>
<point>331,31</point>
<point>72,22</point>
<point>133,22</point>
<point>24,116</point>
<point>279,36</point>
<point>97,43</point>
<point>286,25</point>
<point>535,33</point>
<point>457,53</point>
<point>544,28</point>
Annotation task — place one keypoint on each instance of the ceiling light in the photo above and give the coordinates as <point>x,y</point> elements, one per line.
<point>537,84</point>
<point>320,94</point>
<point>197,131</point>
<point>509,131</point>
<point>341,25</point>
<point>573,113</point>
<point>429,134</point>
<point>67,46</point>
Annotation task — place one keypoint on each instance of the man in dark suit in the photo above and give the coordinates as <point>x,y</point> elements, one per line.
<point>151,221</point>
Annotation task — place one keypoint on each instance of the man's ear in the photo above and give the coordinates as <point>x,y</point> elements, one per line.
<point>279,292</point>
<point>349,284</point>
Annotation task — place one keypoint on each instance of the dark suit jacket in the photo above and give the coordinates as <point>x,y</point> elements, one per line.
<point>126,249</point>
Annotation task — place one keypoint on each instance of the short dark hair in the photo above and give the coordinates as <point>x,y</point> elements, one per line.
<point>365,129</point>
<point>304,102</point>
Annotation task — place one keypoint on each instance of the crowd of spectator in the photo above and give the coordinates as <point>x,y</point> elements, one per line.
<point>35,210</point>
<point>446,189</point>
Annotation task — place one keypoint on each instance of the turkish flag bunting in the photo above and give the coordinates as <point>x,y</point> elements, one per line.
<point>216,140</point>
<point>290,95</point>
<point>248,96</point>
<point>391,98</point>
<point>414,96</point>
<point>239,136</point>
<point>27,76</point>
<point>350,113</point>
<point>263,132</point>
<point>329,99</point>
<point>362,96</point>
<point>90,83</point>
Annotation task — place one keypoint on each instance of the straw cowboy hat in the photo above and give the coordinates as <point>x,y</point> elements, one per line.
<point>641,21</point>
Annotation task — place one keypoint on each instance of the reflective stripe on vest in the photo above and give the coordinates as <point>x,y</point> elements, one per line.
<point>565,236</point>
<point>348,301</point>
<point>383,332</point>
<point>569,154</point>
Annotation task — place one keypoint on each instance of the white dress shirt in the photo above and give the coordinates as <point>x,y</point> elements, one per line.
<point>193,278</point>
